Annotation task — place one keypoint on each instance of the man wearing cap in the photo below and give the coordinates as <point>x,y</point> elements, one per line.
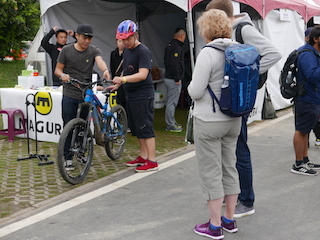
<point>77,60</point>
<point>316,128</point>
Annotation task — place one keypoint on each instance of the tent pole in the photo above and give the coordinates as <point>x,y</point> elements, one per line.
<point>190,34</point>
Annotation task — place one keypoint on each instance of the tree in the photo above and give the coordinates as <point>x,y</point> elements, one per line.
<point>20,21</point>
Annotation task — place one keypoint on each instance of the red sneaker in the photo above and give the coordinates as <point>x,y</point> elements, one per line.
<point>137,162</point>
<point>148,166</point>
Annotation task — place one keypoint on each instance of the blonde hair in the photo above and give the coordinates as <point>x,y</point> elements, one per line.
<point>214,24</point>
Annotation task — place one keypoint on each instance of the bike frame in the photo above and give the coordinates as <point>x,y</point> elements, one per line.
<point>91,100</point>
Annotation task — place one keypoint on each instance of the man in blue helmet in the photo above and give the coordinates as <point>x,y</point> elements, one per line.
<point>138,86</point>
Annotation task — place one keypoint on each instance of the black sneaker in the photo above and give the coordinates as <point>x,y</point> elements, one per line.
<point>303,169</point>
<point>313,165</point>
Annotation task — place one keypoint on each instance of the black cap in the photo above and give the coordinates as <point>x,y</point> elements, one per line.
<point>85,29</point>
<point>307,32</point>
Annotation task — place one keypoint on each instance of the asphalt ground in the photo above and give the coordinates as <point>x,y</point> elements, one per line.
<point>167,204</point>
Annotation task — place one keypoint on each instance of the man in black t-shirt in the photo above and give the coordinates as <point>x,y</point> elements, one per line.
<point>138,85</point>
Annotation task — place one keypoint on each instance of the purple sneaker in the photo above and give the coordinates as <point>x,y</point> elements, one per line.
<point>230,227</point>
<point>206,230</point>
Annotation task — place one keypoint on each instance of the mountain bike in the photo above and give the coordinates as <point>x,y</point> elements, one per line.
<point>76,140</point>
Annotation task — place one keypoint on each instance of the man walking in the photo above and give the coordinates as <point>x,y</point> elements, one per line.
<point>307,105</point>
<point>174,65</point>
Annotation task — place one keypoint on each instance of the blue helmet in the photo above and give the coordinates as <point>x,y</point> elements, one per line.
<point>126,29</point>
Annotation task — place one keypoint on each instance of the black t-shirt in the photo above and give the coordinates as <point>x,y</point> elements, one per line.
<point>133,60</point>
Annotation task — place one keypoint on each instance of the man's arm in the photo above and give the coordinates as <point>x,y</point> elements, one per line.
<point>137,77</point>
<point>103,67</point>
<point>268,52</point>
<point>59,72</point>
<point>45,41</point>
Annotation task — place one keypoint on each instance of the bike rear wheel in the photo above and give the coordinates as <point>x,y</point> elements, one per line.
<point>76,133</point>
<point>115,141</point>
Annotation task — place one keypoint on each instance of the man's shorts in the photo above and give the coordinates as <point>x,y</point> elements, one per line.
<point>141,116</point>
<point>306,116</point>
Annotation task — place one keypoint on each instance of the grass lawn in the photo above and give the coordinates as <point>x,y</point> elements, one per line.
<point>9,72</point>
<point>25,183</point>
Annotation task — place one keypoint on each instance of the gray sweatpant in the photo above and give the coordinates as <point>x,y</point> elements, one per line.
<point>173,95</point>
<point>215,146</point>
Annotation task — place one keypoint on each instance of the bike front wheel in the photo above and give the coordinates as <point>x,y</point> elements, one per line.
<point>75,151</point>
<point>115,138</point>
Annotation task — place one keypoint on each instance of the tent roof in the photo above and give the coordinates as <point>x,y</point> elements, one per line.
<point>263,7</point>
<point>183,4</point>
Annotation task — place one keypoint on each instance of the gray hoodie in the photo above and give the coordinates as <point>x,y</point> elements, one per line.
<point>209,69</point>
<point>250,35</point>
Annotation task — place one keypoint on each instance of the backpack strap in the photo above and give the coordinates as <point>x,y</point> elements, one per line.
<point>218,47</point>
<point>238,31</point>
<point>213,98</point>
<point>215,46</point>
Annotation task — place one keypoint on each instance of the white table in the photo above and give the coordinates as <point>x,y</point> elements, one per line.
<point>48,104</point>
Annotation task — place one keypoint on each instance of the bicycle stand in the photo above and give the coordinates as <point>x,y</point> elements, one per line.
<point>43,159</point>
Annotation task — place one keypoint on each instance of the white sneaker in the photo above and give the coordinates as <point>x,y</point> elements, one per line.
<point>317,142</point>
<point>69,165</point>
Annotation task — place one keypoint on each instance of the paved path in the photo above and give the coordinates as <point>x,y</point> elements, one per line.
<point>165,205</point>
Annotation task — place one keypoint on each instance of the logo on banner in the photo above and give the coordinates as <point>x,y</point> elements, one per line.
<point>43,102</point>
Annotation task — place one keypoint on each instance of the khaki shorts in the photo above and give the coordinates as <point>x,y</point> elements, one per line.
<point>215,145</point>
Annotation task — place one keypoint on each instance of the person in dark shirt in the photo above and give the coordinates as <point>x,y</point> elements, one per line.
<point>174,64</point>
<point>138,85</point>
<point>54,49</point>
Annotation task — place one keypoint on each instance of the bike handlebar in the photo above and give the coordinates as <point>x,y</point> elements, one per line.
<point>74,80</point>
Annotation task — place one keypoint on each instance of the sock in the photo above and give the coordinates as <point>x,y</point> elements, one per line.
<point>214,227</point>
<point>298,163</point>
<point>226,220</point>
<point>305,159</point>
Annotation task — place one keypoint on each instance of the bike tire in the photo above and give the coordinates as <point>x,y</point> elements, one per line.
<point>115,145</point>
<point>81,158</point>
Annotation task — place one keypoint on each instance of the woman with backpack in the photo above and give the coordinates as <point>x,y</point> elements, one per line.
<point>215,132</point>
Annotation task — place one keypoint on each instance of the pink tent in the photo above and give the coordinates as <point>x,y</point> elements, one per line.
<point>263,7</point>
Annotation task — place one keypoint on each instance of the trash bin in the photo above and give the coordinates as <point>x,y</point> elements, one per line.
<point>158,100</point>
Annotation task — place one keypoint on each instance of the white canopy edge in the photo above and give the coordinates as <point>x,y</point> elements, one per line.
<point>46,4</point>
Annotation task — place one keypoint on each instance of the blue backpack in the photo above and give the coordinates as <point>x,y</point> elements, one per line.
<point>241,79</point>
